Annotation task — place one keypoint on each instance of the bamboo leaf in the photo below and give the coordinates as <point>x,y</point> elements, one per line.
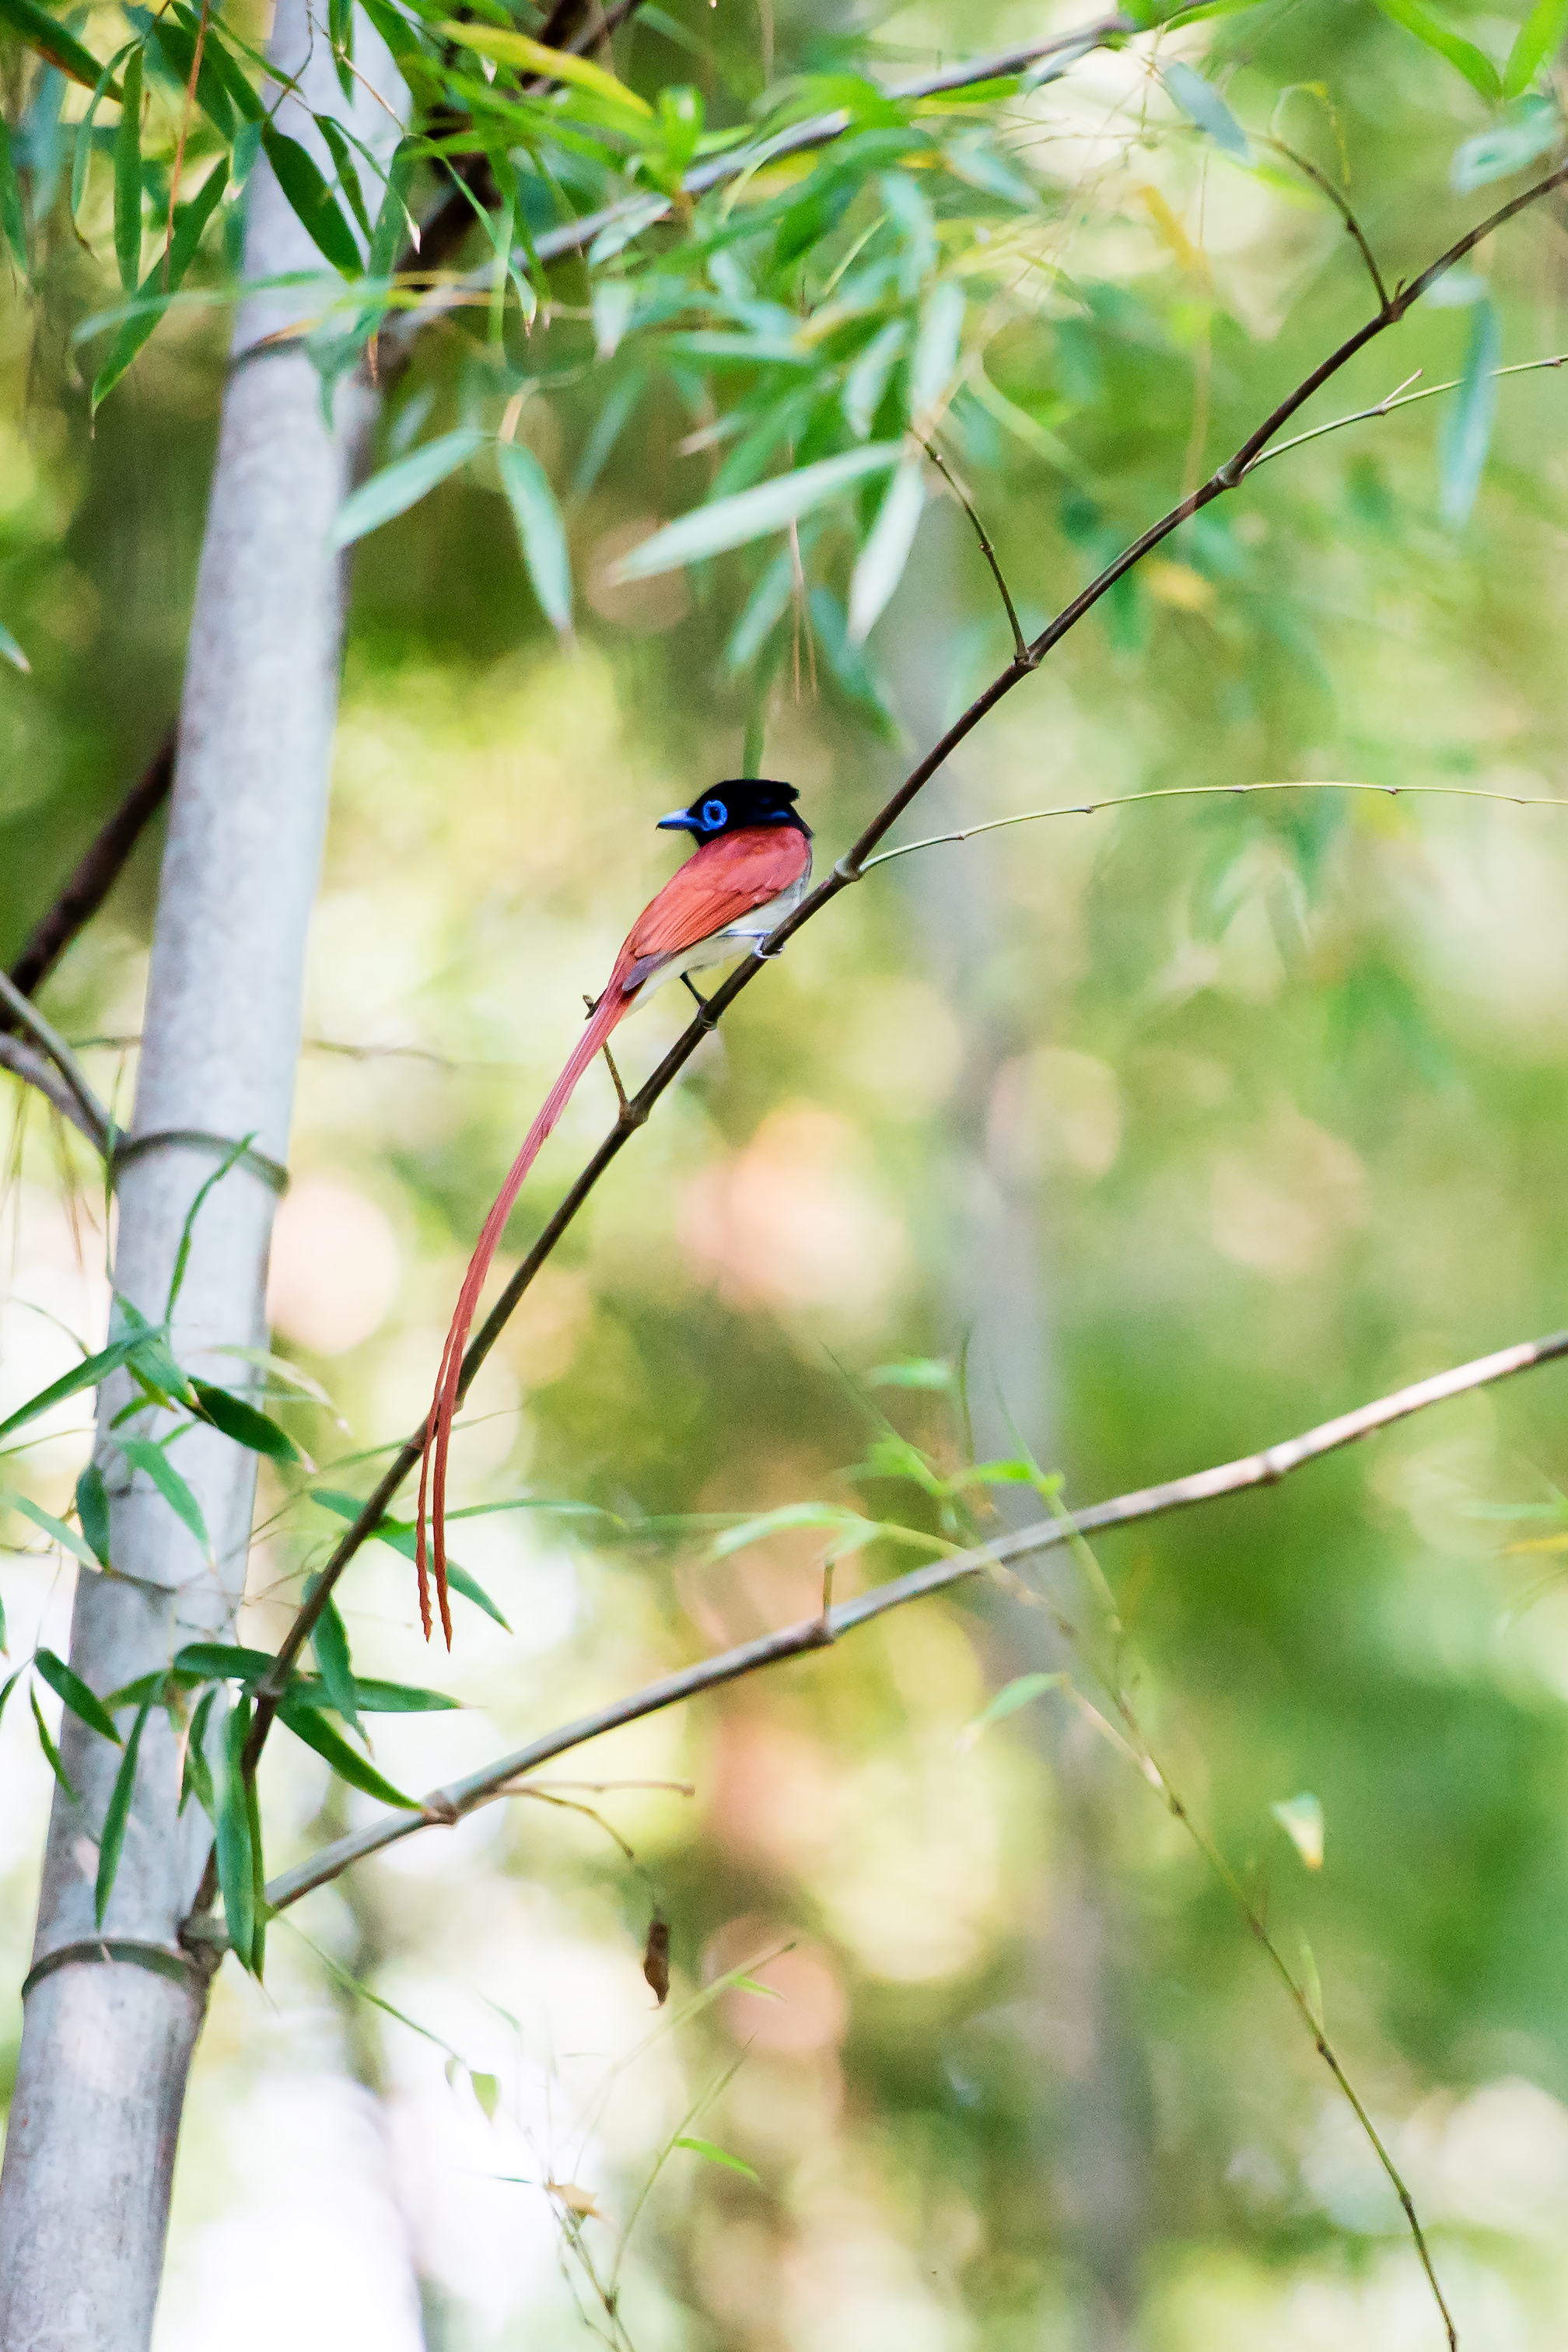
<point>40,32</point>
<point>118,1813</point>
<point>154,1461</point>
<point>1201,103</point>
<point>11,651</point>
<point>14,222</point>
<point>1012,1696</point>
<point>330,1644</point>
<point>195,1777</point>
<point>868,379</point>
<point>541,530</point>
<point>393,222</point>
<point>398,1535</point>
<point>401,486</point>
<point>50,1751</point>
<point>69,1686</point>
<point>240,1421</point>
<point>11,1681</point>
<point>1301,1818</point>
<point>1527,131</point>
<point>752,514</point>
<point>880,564</point>
<point>714,2154</point>
<point>936,347</point>
<point>190,221</point>
<point>236,1862</point>
<point>93,1511</point>
<point>512,48</point>
<point>348,178</point>
<point>1538,37</point>
<point>374,1697</point>
<point>128,178</point>
<point>1467,428</point>
<point>345,1761</point>
<point>86,1376</point>
<point>223,1662</point>
<point>312,203</point>
<point>1464,56</point>
<point>57,1530</point>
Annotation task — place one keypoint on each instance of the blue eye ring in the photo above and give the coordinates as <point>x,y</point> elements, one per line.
<point>714,815</point>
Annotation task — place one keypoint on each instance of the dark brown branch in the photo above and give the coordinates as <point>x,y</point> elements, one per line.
<point>449,1805</point>
<point>1321,179</point>
<point>1020,644</point>
<point>62,1078</point>
<point>94,877</point>
<point>848,870</point>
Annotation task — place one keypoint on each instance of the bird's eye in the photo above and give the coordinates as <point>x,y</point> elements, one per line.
<point>714,815</point>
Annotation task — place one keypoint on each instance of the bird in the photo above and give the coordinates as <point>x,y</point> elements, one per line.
<point>749,871</point>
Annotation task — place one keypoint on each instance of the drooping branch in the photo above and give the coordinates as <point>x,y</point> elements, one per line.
<point>95,877</point>
<point>449,1805</point>
<point>69,1090</point>
<point>849,869</point>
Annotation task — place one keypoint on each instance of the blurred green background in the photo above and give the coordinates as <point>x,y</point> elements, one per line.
<point>1184,1126</point>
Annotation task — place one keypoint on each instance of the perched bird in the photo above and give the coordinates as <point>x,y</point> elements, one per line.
<point>750,869</point>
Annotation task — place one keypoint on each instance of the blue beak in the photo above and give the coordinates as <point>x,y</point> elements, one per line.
<point>678,821</point>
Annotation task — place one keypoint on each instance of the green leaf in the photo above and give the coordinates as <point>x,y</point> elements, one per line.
<point>879,566</point>
<point>913,1372</point>
<point>392,222</point>
<point>174,41</point>
<point>240,1421</point>
<point>223,1662</point>
<point>1201,103</point>
<point>1467,428</point>
<point>330,1644</point>
<point>397,33</point>
<point>14,222</point>
<point>487,2090</point>
<point>230,72</point>
<point>57,1530</point>
<point>235,1859</point>
<point>541,530</point>
<point>152,1459</point>
<point>195,1777</point>
<point>86,1376</point>
<point>160,1685</point>
<point>374,1698</point>
<point>235,1151</point>
<point>348,178</point>
<point>868,379</point>
<point>1301,1818</point>
<point>346,1761</point>
<point>9,649</point>
<point>398,1535</point>
<point>40,31</point>
<point>1012,1696</point>
<point>93,1511</point>
<point>1538,37</point>
<point>851,1531</point>
<point>311,201</point>
<point>127,178</point>
<point>69,1686</point>
<point>752,514</point>
<point>716,2154</point>
<point>190,220</point>
<point>50,1751</point>
<point>608,427</point>
<point>936,347</point>
<point>401,486</point>
<point>115,1814</point>
<point>11,1681</point>
<point>555,65</point>
<point>1478,70</point>
<point>1525,132</point>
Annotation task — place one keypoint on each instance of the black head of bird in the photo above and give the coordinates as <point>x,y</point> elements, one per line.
<point>733,805</point>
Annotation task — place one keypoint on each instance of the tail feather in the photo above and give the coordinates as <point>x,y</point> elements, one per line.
<point>431,1559</point>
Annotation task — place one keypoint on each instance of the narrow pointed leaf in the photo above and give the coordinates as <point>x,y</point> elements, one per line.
<point>9,649</point>
<point>936,347</point>
<point>346,1761</point>
<point>112,1841</point>
<point>348,178</point>
<point>176,1493</point>
<point>93,1511</point>
<point>401,486</point>
<point>1467,428</point>
<point>330,1644</point>
<point>714,2154</point>
<point>127,178</point>
<point>50,1751</point>
<point>69,1687</point>
<point>1540,36</point>
<point>1525,132</point>
<point>240,1421</point>
<point>372,1697</point>
<point>398,1535</point>
<point>1012,1696</point>
<point>11,1681</point>
<point>197,1779</point>
<point>392,222</point>
<point>556,65</point>
<point>752,514</point>
<point>1478,69</point>
<point>1201,103</point>
<point>224,1661</point>
<point>880,564</point>
<point>86,1376</point>
<point>1301,1818</point>
<point>235,1866</point>
<point>50,38</point>
<point>190,221</point>
<point>14,223</point>
<point>57,1530</point>
<point>541,530</point>
<point>315,207</point>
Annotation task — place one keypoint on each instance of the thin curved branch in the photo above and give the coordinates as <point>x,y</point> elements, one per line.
<point>1320,180</point>
<point>86,1111</point>
<point>449,1805</point>
<point>33,1067</point>
<point>95,876</point>
<point>849,869</point>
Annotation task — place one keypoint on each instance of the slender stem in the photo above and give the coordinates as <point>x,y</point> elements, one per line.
<point>1401,397</point>
<point>33,1067</point>
<point>96,875</point>
<point>1208,791</point>
<point>1276,1463</point>
<point>1320,180</point>
<point>1020,643</point>
<point>849,870</point>
<point>95,1121</point>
